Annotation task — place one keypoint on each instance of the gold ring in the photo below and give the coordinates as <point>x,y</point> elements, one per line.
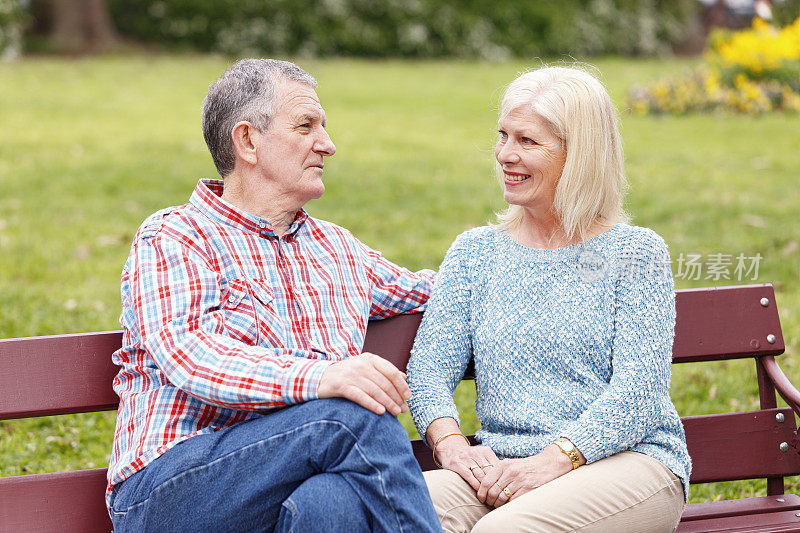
<point>504,489</point>
<point>486,466</point>
<point>473,468</point>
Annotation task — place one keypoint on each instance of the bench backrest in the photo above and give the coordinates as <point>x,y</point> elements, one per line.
<point>62,374</point>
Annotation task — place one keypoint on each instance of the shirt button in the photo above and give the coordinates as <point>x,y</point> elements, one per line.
<point>262,225</point>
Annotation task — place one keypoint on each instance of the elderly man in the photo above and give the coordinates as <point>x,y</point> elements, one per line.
<point>245,403</point>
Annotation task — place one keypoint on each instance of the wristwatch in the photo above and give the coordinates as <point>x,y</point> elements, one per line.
<point>569,450</point>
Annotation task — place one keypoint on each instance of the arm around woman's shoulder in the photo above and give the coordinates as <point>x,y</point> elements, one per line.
<point>443,346</point>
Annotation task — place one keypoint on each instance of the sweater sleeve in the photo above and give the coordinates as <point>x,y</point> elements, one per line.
<point>443,345</point>
<point>637,397</point>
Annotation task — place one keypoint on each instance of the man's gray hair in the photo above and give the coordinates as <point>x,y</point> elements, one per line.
<point>244,92</point>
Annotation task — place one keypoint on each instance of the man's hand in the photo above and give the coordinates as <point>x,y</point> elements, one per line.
<point>368,380</point>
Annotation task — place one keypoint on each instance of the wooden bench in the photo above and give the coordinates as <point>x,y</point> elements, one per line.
<point>62,374</point>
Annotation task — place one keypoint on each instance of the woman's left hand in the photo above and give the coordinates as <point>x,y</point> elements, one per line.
<point>519,476</point>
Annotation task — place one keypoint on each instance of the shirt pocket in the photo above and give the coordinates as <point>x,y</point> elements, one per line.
<point>249,311</point>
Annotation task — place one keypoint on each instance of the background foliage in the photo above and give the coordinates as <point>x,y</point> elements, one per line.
<point>12,19</point>
<point>408,28</point>
<point>752,71</point>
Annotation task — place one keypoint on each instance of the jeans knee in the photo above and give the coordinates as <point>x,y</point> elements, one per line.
<point>356,418</point>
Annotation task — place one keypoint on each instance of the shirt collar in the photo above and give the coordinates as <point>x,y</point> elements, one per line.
<point>207,197</point>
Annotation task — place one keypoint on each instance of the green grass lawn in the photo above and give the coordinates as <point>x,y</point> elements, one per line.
<point>89,148</point>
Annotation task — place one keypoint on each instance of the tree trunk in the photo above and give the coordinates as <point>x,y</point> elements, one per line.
<point>82,26</point>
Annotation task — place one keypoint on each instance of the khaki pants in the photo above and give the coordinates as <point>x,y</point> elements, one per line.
<point>628,491</point>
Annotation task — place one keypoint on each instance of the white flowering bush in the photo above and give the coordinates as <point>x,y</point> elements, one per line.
<point>12,18</point>
<point>407,28</point>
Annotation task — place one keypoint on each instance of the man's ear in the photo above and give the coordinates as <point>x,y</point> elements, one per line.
<point>244,142</point>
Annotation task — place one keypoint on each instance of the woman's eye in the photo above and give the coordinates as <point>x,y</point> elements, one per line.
<point>527,140</point>
<point>502,135</point>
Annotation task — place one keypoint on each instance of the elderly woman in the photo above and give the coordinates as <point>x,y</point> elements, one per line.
<point>568,313</point>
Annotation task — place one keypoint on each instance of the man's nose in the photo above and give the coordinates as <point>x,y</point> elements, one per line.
<point>324,144</point>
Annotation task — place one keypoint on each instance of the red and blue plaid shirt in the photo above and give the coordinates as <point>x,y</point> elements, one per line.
<point>223,319</point>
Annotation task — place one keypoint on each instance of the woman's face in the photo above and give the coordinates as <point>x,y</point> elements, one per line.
<point>532,159</point>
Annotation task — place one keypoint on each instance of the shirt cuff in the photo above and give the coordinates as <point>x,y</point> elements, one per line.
<point>302,381</point>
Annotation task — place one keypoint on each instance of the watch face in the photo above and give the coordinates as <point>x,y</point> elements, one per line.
<point>567,445</point>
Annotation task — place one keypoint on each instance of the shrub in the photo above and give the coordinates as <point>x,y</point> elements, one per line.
<point>750,71</point>
<point>407,28</point>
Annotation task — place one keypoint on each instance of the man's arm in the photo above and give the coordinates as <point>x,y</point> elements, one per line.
<point>395,290</point>
<point>176,300</point>
<point>179,318</point>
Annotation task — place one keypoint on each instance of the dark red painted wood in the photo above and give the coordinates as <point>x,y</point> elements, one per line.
<point>779,522</point>
<point>58,374</point>
<point>725,323</point>
<point>757,505</point>
<point>768,400</point>
<point>65,502</point>
<point>787,391</point>
<point>392,339</point>
<point>740,445</point>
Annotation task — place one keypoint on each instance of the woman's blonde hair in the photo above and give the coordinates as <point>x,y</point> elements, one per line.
<point>579,110</point>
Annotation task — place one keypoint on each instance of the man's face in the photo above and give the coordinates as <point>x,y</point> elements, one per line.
<point>291,151</point>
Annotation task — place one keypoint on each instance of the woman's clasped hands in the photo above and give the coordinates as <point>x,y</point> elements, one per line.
<point>511,478</point>
<point>470,462</point>
<point>498,481</point>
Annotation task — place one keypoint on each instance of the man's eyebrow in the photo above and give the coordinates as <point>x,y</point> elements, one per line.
<point>310,117</point>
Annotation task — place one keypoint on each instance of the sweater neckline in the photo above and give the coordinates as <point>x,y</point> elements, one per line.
<point>558,253</point>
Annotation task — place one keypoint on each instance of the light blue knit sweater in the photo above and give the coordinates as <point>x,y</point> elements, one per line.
<point>573,342</point>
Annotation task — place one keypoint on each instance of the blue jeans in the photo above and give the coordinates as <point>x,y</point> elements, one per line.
<point>324,465</point>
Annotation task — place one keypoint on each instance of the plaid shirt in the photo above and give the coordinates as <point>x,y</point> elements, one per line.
<point>223,319</point>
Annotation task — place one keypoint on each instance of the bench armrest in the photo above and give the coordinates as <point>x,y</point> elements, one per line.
<point>782,384</point>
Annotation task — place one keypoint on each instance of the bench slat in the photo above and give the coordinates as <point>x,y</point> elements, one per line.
<point>746,506</point>
<point>58,374</point>
<point>64,502</point>
<point>62,374</point>
<point>725,323</point>
<point>723,447</point>
<point>778,522</point>
<point>393,338</point>
<point>744,445</point>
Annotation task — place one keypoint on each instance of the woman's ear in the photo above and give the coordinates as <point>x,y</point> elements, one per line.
<point>244,136</point>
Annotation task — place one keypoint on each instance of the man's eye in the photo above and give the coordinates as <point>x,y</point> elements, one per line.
<point>502,134</point>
